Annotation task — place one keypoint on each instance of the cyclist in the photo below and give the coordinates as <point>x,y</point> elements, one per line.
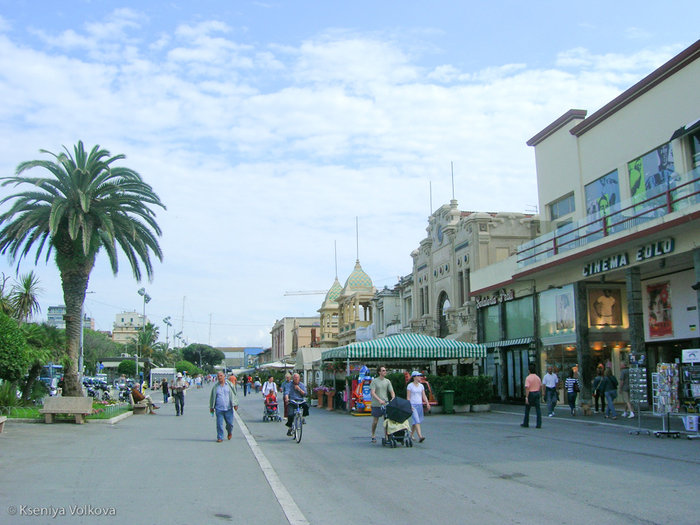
<point>296,392</point>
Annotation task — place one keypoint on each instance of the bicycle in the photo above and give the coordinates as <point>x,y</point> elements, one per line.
<point>298,421</point>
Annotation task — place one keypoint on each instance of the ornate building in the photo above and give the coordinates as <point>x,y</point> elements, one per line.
<point>355,306</point>
<point>329,316</point>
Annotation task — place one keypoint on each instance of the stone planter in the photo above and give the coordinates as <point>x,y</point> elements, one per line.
<point>461,409</point>
<point>329,400</point>
<point>481,408</point>
<point>320,398</point>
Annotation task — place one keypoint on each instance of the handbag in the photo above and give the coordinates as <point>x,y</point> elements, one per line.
<point>576,388</point>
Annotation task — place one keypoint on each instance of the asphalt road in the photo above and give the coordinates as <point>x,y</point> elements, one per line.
<point>475,468</point>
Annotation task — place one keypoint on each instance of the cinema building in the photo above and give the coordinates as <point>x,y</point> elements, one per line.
<point>617,270</point>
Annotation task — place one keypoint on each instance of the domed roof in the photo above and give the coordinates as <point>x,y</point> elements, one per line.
<point>358,279</point>
<point>334,292</point>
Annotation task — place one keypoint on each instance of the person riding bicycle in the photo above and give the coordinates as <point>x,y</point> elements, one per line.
<point>296,393</point>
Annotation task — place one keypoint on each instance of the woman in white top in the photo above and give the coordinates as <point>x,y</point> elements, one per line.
<point>269,386</point>
<point>415,392</point>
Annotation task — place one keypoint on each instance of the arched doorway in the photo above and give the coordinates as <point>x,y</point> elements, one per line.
<point>443,304</point>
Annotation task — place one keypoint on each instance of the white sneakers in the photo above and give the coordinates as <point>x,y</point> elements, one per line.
<point>631,415</point>
<point>551,414</point>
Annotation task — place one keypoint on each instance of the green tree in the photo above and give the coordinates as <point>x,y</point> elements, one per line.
<point>127,368</point>
<point>5,306</point>
<point>14,359</point>
<point>97,346</point>
<point>210,356</point>
<point>83,205</point>
<point>38,354</point>
<point>24,297</point>
<point>188,367</point>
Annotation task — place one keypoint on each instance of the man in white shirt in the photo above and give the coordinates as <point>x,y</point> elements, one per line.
<point>549,383</point>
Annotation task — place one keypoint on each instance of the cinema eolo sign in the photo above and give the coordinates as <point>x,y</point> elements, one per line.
<point>620,260</point>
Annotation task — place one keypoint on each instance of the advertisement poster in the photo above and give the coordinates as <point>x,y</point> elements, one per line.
<point>650,174</point>
<point>660,322</point>
<point>605,306</point>
<point>602,193</point>
<point>565,312</point>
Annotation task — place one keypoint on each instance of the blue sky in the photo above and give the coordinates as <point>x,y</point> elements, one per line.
<point>267,127</point>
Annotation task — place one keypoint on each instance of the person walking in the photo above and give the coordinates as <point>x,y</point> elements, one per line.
<point>609,389</point>
<point>166,392</point>
<point>533,386</point>
<point>597,393</point>
<point>625,390</point>
<point>223,401</point>
<point>572,389</point>
<point>269,386</point>
<point>550,381</point>
<point>380,389</point>
<point>415,393</point>
<point>178,390</point>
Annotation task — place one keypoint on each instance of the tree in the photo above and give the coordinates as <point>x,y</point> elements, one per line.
<point>97,346</point>
<point>210,356</point>
<point>189,368</point>
<point>84,205</point>
<point>127,368</point>
<point>5,306</point>
<point>24,297</point>
<point>14,359</point>
<point>38,354</point>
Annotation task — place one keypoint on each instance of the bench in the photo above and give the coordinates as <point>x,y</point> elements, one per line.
<point>2,422</point>
<point>139,408</point>
<point>73,406</point>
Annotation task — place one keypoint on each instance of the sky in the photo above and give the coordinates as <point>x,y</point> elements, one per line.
<point>270,129</point>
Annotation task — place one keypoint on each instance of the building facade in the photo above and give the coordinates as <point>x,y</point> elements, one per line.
<point>355,307</point>
<point>126,327</point>
<point>615,276</point>
<point>54,316</point>
<point>291,333</point>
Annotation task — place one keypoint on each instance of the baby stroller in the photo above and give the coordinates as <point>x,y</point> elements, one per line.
<point>397,428</point>
<point>271,410</point>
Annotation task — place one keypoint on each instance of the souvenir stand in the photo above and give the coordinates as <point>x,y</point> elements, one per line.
<point>665,391</point>
<point>690,390</point>
<point>638,392</point>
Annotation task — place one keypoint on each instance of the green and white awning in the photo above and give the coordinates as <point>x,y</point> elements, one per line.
<point>509,342</point>
<point>406,346</point>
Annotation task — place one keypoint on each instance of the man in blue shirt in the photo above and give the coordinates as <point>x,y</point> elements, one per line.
<point>295,392</point>
<point>223,400</point>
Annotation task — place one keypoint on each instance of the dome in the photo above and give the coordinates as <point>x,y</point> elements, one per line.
<point>334,292</point>
<point>358,279</point>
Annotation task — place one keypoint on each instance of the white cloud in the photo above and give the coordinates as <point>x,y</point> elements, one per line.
<point>264,154</point>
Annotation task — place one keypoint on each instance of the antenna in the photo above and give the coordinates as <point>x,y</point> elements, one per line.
<point>357,236</point>
<point>452,169</point>
<point>335,253</point>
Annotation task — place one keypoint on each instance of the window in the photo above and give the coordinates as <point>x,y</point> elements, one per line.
<point>695,148</point>
<point>562,207</point>
<point>462,296</point>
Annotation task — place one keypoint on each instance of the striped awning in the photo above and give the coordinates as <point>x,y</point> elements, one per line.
<point>406,346</point>
<point>509,342</point>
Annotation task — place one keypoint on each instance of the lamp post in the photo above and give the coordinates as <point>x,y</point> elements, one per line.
<point>146,299</point>
<point>168,324</point>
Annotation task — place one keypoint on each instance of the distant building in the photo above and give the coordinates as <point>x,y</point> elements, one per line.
<point>55,316</point>
<point>291,333</point>
<point>127,326</point>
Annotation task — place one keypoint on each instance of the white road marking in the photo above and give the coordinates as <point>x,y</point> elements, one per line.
<point>289,507</point>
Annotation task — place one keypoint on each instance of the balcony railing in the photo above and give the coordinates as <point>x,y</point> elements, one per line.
<point>680,192</point>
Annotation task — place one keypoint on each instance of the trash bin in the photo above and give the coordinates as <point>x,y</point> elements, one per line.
<point>448,401</point>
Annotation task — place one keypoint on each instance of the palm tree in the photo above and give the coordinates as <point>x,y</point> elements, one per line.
<point>83,205</point>
<point>24,297</point>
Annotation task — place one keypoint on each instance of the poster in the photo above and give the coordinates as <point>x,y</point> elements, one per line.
<point>652,174</point>
<point>605,306</point>
<point>565,312</point>
<point>660,322</point>
<point>602,193</point>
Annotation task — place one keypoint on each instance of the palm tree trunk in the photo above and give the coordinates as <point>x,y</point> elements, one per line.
<point>34,372</point>
<point>75,282</point>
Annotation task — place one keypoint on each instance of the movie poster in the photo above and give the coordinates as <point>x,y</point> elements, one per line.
<point>565,312</point>
<point>605,306</point>
<point>602,193</point>
<point>660,322</point>
<point>651,174</point>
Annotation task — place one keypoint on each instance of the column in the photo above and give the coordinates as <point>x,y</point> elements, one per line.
<point>583,348</point>
<point>634,310</point>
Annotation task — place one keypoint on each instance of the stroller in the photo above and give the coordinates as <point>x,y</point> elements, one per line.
<point>397,428</point>
<point>271,410</point>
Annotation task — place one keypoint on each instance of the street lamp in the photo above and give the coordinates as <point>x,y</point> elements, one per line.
<point>146,299</point>
<point>167,325</point>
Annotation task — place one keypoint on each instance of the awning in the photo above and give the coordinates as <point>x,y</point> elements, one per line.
<point>509,342</point>
<point>688,128</point>
<point>277,365</point>
<point>306,358</point>
<point>406,346</point>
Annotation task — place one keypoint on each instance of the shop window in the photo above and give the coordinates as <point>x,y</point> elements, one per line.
<point>561,207</point>
<point>519,317</point>
<point>695,148</point>
<point>491,323</point>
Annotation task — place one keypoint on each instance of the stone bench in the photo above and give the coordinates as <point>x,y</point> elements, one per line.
<point>73,406</point>
<point>2,422</point>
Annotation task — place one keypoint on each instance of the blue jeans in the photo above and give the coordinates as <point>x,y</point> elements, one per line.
<point>551,399</point>
<point>222,415</point>
<point>533,399</point>
<point>610,403</point>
